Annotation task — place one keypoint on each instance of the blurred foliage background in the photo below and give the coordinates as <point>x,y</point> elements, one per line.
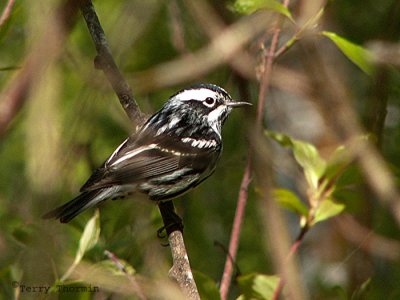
<point>71,120</point>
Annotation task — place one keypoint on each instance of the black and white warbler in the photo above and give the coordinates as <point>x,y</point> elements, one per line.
<point>174,151</point>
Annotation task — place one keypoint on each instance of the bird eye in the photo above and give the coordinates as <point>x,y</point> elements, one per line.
<point>209,101</point>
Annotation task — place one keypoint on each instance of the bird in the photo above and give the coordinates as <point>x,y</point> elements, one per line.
<point>175,150</point>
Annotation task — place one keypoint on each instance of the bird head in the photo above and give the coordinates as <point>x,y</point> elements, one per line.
<point>208,102</point>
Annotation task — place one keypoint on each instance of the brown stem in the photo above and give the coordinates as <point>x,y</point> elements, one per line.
<point>331,98</point>
<point>6,12</point>
<point>106,62</point>
<point>264,85</point>
<point>293,250</point>
<point>237,223</point>
<point>131,278</point>
<point>180,271</point>
<point>243,194</point>
<point>43,53</point>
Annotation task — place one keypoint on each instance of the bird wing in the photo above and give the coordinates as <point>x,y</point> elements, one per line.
<point>139,159</point>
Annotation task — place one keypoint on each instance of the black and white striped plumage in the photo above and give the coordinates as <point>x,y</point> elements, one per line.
<point>175,150</point>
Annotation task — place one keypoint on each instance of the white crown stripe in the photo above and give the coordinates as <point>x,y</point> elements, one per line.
<point>196,94</point>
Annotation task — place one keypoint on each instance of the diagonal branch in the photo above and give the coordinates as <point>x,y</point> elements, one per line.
<point>265,81</point>
<point>237,223</point>
<point>180,270</point>
<point>6,12</point>
<point>43,53</point>
<point>105,61</point>
<point>243,195</point>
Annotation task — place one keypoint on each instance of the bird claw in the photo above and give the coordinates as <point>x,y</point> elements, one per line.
<point>164,231</point>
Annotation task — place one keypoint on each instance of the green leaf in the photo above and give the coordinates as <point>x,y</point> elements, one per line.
<point>257,286</point>
<point>313,165</point>
<point>289,200</point>
<point>207,286</point>
<point>357,54</point>
<point>88,240</point>
<point>306,155</point>
<point>327,209</point>
<point>90,236</point>
<point>310,23</point>
<point>281,138</point>
<point>248,7</point>
<point>337,162</point>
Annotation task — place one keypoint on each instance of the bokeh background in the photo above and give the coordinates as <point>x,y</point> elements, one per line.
<point>70,121</point>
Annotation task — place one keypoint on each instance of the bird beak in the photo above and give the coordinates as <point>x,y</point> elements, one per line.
<point>238,104</point>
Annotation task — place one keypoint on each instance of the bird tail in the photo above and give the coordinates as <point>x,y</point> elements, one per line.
<point>71,209</point>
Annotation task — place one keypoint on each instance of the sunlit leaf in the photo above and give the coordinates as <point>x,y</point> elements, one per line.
<point>88,240</point>
<point>306,155</point>
<point>248,7</point>
<point>337,162</point>
<point>356,53</point>
<point>281,138</point>
<point>257,286</point>
<point>289,200</point>
<point>207,286</point>
<point>327,209</point>
<point>90,235</point>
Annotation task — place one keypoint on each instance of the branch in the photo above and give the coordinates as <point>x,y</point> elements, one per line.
<point>331,98</point>
<point>180,270</point>
<point>243,194</point>
<point>366,239</point>
<point>222,48</point>
<point>131,278</point>
<point>6,12</point>
<point>237,224</point>
<point>105,61</point>
<point>43,53</point>
<point>293,250</point>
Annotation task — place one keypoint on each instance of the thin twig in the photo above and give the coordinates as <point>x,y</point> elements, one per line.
<point>181,270</point>
<point>293,250</point>
<point>237,224</point>
<point>122,268</point>
<point>226,251</point>
<point>266,74</point>
<point>222,49</point>
<point>214,23</point>
<point>43,53</point>
<point>337,110</point>
<point>264,85</point>
<point>366,239</point>
<point>6,12</point>
<point>176,25</point>
<point>243,194</point>
<point>265,82</point>
<point>105,61</point>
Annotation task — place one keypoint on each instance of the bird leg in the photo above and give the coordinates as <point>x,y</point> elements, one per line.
<point>172,221</point>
